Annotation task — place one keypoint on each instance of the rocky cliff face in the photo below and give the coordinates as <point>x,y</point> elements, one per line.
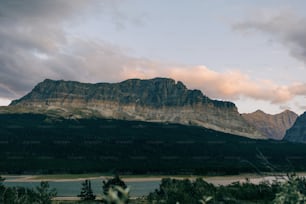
<point>272,126</point>
<point>297,133</point>
<point>159,99</point>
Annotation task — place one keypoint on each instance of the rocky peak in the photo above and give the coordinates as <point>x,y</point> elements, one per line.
<point>259,112</point>
<point>272,126</point>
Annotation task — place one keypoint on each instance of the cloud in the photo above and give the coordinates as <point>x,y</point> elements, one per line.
<point>229,85</point>
<point>285,107</point>
<point>284,26</point>
<point>35,46</point>
<point>302,108</point>
<point>26,28</point>
<point>38,11</point>
<point>4,102</point>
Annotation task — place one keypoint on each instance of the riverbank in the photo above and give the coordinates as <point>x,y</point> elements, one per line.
<point>140,178</point>
<point>68,187</point>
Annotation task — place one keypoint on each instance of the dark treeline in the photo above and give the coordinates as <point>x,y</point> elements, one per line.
<point>292,190</point>
<point>39,144</point>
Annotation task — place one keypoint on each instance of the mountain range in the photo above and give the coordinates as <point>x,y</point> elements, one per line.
<point>153,100</point>
<point>142,126</point>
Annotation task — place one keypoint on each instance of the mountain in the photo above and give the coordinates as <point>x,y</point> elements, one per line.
<point>297,133</point>
<point>272,126</point>
<point>153,100</point>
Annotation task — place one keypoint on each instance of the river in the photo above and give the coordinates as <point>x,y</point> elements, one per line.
<point>138,186</point>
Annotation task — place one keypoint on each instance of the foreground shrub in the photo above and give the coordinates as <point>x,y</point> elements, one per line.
<point>20,195</point>
<point>172,191</point>
<point>182,191</point>
<point>115,191</point>
<point>292,192</point>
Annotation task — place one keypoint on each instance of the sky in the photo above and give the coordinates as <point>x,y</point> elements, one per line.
<point>252,53</point>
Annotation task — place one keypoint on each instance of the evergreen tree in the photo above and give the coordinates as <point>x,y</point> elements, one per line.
<point>1,182</point>
<point>2,189</point>
<point>44,193</point>
<point>86,191</point>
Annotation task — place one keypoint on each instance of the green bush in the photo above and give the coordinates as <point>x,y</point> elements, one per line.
<point>174,191</point>
<point>292,191</point>
<point>115,191</point>
<point>182,191</point>
<point>20,195</point>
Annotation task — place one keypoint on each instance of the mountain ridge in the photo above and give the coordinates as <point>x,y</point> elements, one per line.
<point>152,100</point>
<point>194,95</point>
<point>273,126</point>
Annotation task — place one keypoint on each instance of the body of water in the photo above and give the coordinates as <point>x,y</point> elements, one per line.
<point>73,188</point>
<point>137,188</point>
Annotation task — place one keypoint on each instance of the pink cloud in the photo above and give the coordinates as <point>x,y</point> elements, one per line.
<point>229,85</point>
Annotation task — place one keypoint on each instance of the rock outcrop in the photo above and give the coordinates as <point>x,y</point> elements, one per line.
<point>297,133</point>
<point>272,126</point>
<point>158,99</point>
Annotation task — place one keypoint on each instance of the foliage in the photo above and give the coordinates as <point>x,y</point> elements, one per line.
<point>199,191</point>
<point>206,199</point>
<point>247,191</point>
<point>115,191</point>
<point>292,192</point>
<point>173,191</point>
<point>20,195</point>
<point>289,190</point>
<point>182,191</point>
<point>116,195</point>
<point>44,193</point>
<point>110,183</point>
<point>86,191</point>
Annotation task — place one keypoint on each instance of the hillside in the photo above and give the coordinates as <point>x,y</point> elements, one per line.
<point>35,143</point>
<point>297,133</point>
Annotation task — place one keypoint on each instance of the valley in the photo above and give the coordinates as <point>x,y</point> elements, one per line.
<point>151,132</point>
<point>33,143</point>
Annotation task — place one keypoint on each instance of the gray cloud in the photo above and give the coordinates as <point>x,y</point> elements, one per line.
<point>26,28</point>
<point>285,107</point>
<point>31,9</point>
<point>34,45</point>
<point>284,26</point>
